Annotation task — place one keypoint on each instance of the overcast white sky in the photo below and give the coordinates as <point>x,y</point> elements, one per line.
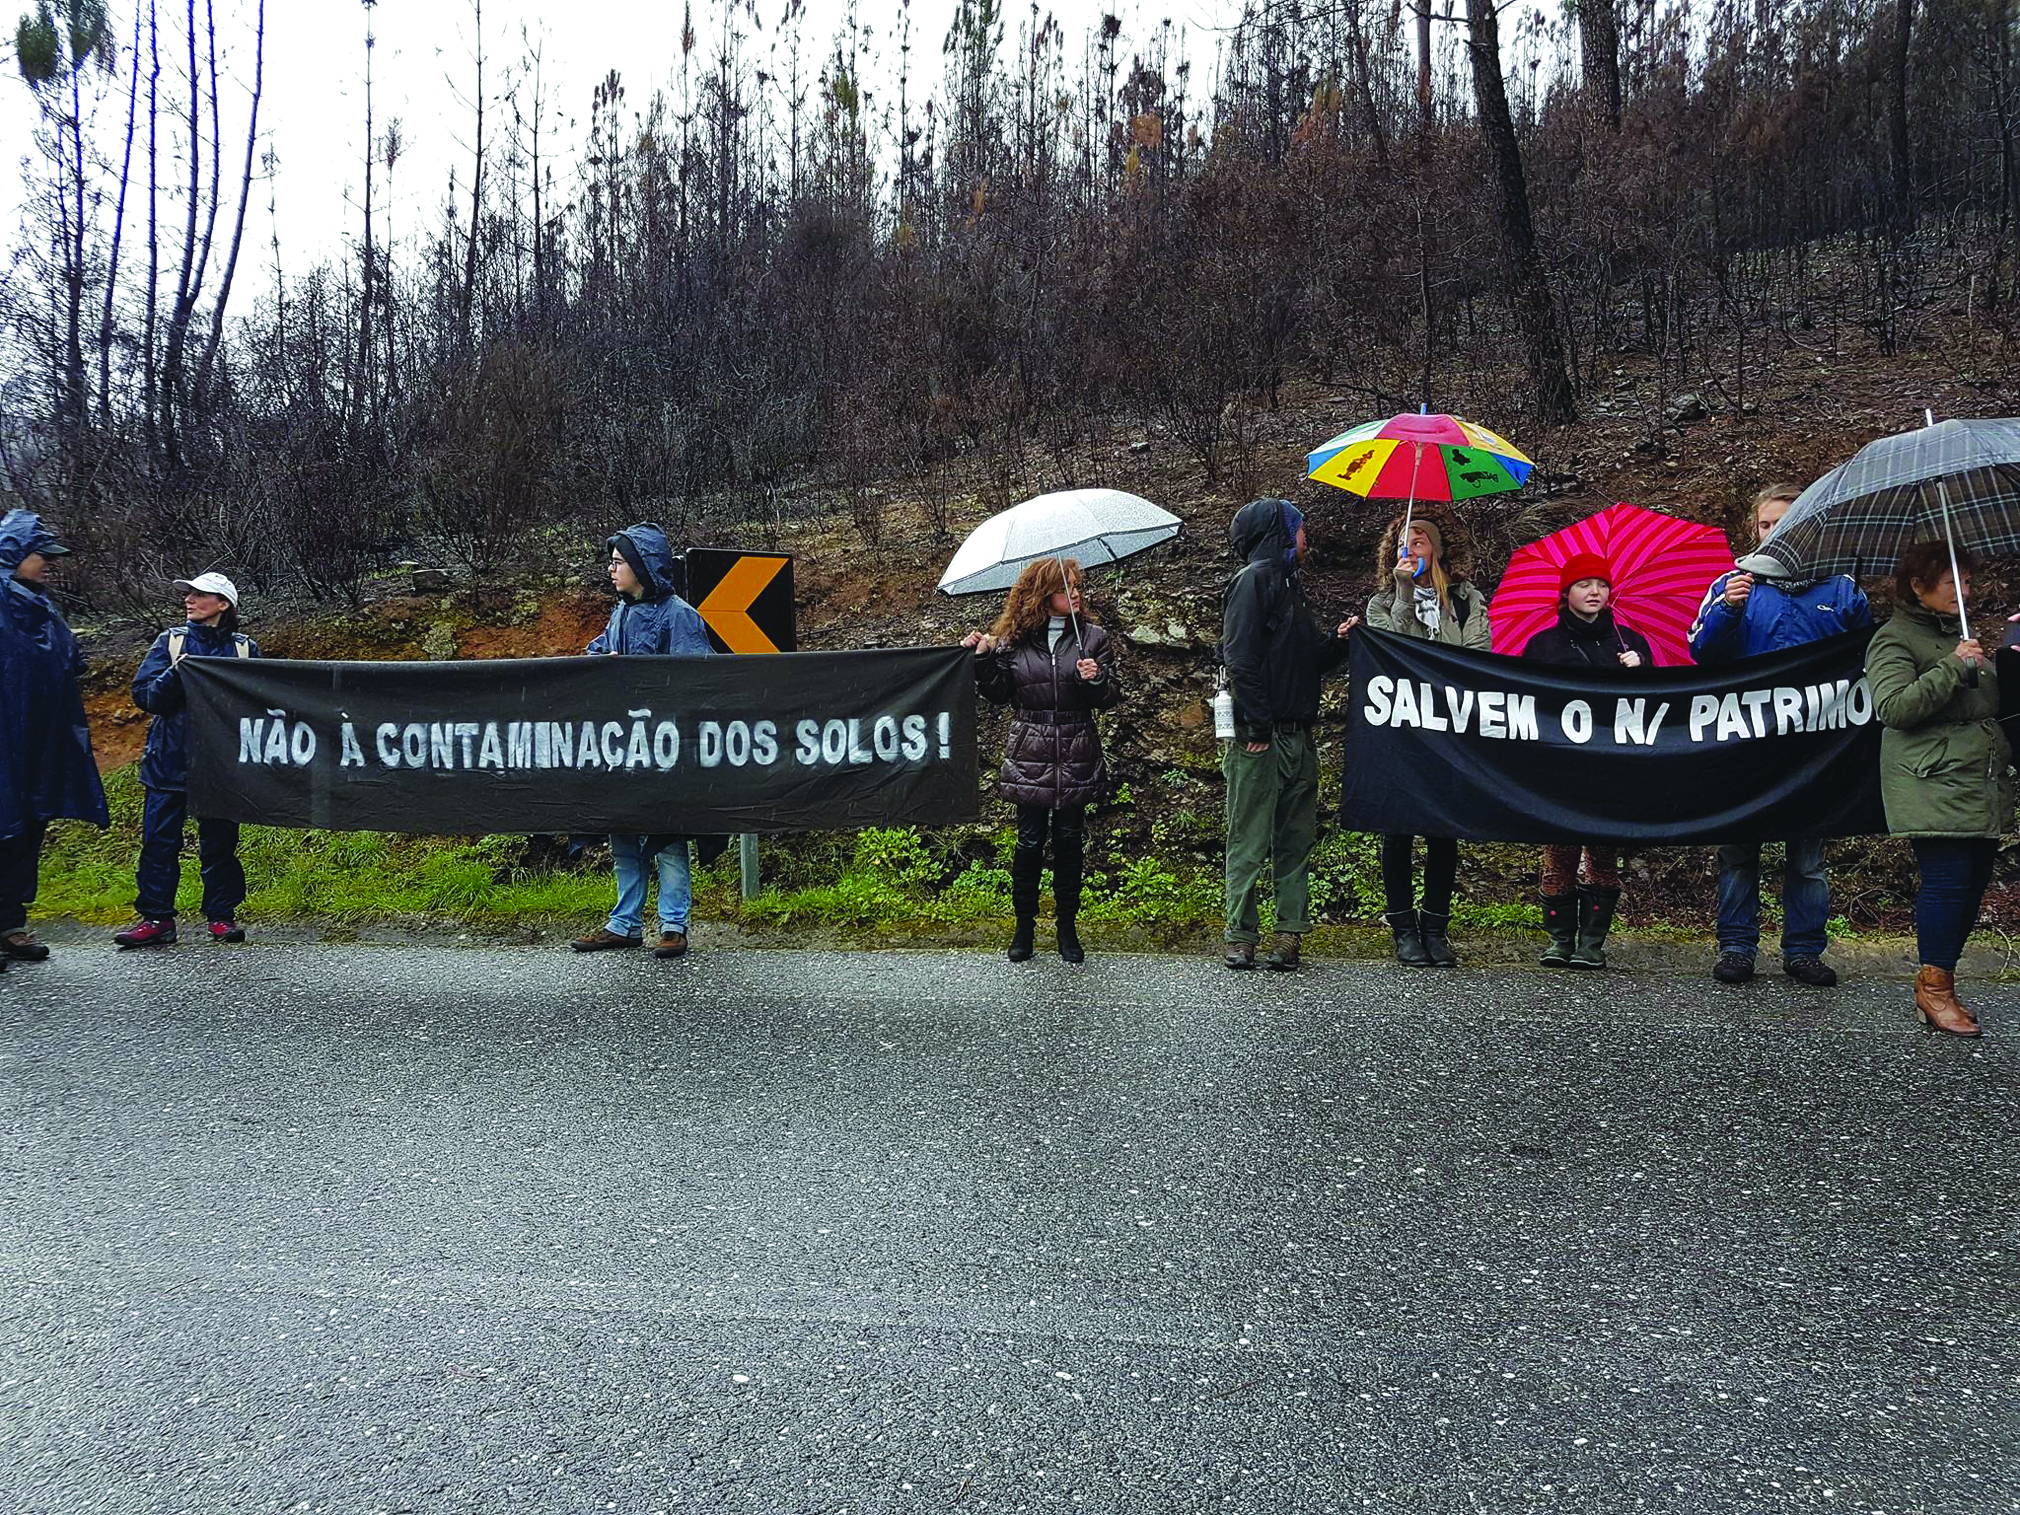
<point>312,111</point>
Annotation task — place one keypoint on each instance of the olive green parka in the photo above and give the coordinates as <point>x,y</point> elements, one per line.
<point>1945,764</point>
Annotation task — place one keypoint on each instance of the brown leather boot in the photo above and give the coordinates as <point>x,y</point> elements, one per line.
<point>1283,958</point>
<point>1936,999</point>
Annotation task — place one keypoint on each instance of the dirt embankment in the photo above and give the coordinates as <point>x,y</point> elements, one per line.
<point>400,627</point>
<point>1699,456</point>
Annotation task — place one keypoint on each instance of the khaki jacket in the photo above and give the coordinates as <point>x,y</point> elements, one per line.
<point>1945,765</point>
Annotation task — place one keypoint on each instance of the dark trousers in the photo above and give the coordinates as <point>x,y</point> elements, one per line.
<point>20,858</point>
<point>1068,829</point>
<point>161,860</point>
<point>1399,884</point>
<point>1955,871</point>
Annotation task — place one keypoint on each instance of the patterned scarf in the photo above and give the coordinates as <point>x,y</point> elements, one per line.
<point>1425,597</point>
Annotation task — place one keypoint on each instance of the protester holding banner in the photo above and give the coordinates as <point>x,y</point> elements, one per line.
<point>1945,766</point>
<point>648,620</point>
<point>210,603</point>
<point>46,768</point>
<point>1047,659</point>
<point>1276,655</point>
<point>1425,594</point>
<point>1746,615</point>
<point>1578,913</point>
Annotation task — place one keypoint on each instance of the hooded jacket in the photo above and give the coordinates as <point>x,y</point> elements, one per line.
<point>157,689</point>
<point>1597,643</point>
<point>1274,651</point>
<point>659,623</point>
<point>1052,756</point>
<point>1392,608</point>
<point>46,768</point>
<point>1777,615</point>
<point>1945,766</point>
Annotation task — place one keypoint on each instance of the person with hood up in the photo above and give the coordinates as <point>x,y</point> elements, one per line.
<point>1745,614</point>
<point>1579,914</point>
<point>210,602</point>
<point>1425,593</point>
<point>1275,655</point>
<point>47,771</point>
<point>649,620</point>
<point>1047,659</point>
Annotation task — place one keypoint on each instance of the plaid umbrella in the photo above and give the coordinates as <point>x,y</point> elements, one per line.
<point>1956,480</point>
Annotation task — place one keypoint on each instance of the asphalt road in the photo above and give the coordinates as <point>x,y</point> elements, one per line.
<point>375,1229</point>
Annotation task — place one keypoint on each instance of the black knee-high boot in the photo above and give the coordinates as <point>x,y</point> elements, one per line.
<point>1027,865</point>
<point>1069,860</point>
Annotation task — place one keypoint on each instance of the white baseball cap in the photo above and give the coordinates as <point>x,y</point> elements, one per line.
<point>211,583</point>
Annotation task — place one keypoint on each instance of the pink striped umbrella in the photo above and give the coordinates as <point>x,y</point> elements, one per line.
<point>1661,569</point>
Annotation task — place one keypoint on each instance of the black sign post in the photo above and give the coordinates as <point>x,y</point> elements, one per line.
<point>746,600</point>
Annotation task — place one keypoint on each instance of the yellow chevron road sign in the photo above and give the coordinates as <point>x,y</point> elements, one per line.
<point>746,598</point>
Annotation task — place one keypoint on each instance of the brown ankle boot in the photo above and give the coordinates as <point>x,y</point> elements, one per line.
<point>1936,999</point>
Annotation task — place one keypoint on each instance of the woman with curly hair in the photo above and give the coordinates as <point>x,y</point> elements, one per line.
<point>1425,593</point>
<point>1054,667</point>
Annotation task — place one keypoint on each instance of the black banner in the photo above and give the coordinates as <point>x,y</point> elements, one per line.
<point>1445,743</point>
<point>799,742</point>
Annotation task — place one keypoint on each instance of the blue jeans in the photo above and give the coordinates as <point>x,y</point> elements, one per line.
<point>1955,871</point>
<point>1806,899</point>
<point>160,873</point>
<point>676,886</point>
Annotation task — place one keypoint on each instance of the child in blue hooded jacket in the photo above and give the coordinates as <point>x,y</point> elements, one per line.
<point>649,620</point>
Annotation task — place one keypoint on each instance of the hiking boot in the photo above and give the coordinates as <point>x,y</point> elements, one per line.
<point>1431,927</point>
<point>1240,955</point>
<point>603,939</point>
<point>1733,968</point>
<point>226,931</point>
<point>20,944</point>
<point>1813,971</point>
<point>1283,957</point>
<point>671,944</point>
<point>1070,950</point>
<point>141,934</point>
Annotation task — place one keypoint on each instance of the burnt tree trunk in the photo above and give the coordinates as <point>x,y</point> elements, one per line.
<point>1897,115</point>
<point>1534,308</point>
<point>1599,54</point>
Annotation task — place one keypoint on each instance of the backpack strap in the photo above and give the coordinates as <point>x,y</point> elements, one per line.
<point>241,645</point>
<point>177,641</point>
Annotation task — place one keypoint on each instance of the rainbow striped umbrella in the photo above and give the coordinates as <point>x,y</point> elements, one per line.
<point>1420,457</point>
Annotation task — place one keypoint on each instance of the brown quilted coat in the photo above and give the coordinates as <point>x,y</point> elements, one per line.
<point>1053,754</point>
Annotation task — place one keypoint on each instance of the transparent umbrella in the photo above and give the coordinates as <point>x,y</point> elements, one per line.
<point>1095,526</point>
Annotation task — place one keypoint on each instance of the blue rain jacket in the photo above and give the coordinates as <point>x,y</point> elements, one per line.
<point>1778,615</point>
<point>46,769</point>
<point>659,623</point>
<point>157,689</point>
